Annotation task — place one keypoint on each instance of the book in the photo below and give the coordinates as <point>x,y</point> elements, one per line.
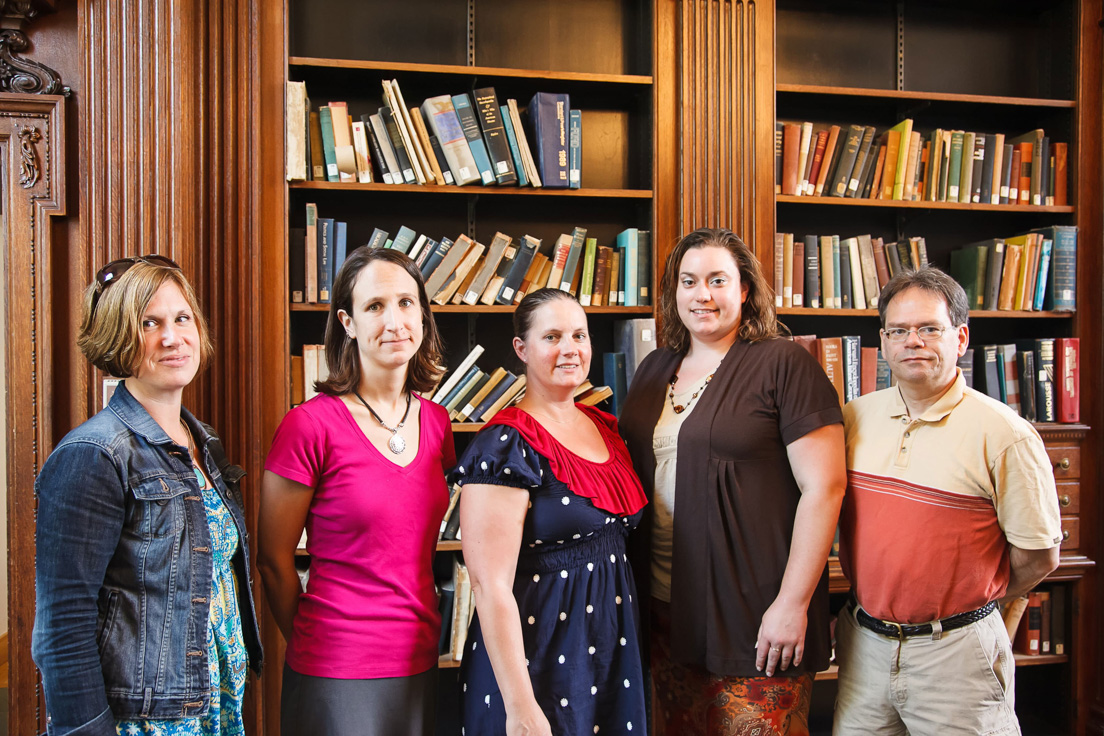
<point>404,239</point>
<point>858,287</point>
<point>635,338</point>
<point>378,238</point>
<point>360,148</point>
<point>1025,372</point>
<point>1067,359</point>
<point>991,373</point>
<point>830,350</point>
<point>395,136</point>
<point>317,157</point>
<point>965,362</point>
<point>448,263</point>
<point>868,370</point>
<point>1027,637</point>
<point>1008,369</point>
<point>490,397</point>
<point>520,267</point>
<point>418,161</point>
<point>988,159</point>
<point>310,255</point>
<point>1061,289</point>
<point>841,252</point>
<point>828,280</point>
<point>966,176</point>
<point>779,268</point>
<point>826,163</point>
<point>905,128</point>
<point>378,132</point>
<point>881,263</point>
<point>340,246</point>
<point>325,258</point>
<point>523,144</point>
<point>487,270</point>
<point>456,375</point>
<point>779,132</point>
<point>462,413</point>
<point>548,115</point>
<point>798,286</point>
<point>1058,607</point>
<point>458,276</point>
<point>325,121</point>
<point>954,171</point>
<point>1006,163</point>
<point>994,270</point>
<point>461,393</point>
<point>515,151</point>
<point>575,149</point>
<point>431,259</point>
<point>578,241</point>
<point>1012,614</point>
<point>628,241</point>
<point>589,261</point>
<point>842,176</point>
<point>297,265</point>
<point>803,157</point>
<point>1012,255</point>
<point>817,161</point>
<point>644,268</point>
<point>599,292</point>
<point>786,277</point>
<point>469,123</point>
<point>614,376</point>
<point>1061,173</point>
<point>791,149</point>
<point>1045,250</point>
<point>852,362</point>
<point>837,272</point>
<point>441,118</point>
<point>536,266</point>
<point>1046,404</point>
<point>297,122</point>
<point>511,395</point>
<point>812,272</point>
<point>437,165</point>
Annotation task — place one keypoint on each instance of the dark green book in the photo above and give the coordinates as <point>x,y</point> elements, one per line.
<point>842,175</point>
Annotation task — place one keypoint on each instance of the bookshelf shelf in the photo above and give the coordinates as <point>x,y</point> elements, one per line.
<point>909,205</point>
<point>974,313</point>
<point>467,426</point>
<point>309,62</point>
<point>1028,660</point>
<point>446,662</point>
<point>484,309</point>
<point>472,190</point>
<point>448,545</point>
<point>891,94</point>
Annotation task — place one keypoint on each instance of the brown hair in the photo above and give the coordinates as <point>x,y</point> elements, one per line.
<point>933,281</point>
<point>534,300</point>
<point>111,335</point>
<point>342,356</point>
<point>757,316</point>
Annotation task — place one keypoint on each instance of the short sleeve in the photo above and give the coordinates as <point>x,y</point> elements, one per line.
<point>1027,502</point>
<point>499,456</point>
<point>298,448</point>
<point>806,398</point>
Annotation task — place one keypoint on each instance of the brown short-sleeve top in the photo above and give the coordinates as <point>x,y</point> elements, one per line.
<point>737,498</point>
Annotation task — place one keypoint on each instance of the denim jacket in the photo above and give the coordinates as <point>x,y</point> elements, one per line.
<point>123,572</point>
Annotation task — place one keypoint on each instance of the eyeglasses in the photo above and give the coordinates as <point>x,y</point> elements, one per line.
<point>927,333</point>
<point>110,273</point>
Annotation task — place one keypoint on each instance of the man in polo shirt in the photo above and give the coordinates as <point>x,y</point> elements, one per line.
<point>950,506</point>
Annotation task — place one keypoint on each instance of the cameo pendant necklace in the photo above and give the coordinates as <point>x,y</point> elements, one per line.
<point>396,444</point>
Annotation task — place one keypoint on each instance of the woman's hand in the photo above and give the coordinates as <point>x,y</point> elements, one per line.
<point>528,721</point>
<point>781,638</point>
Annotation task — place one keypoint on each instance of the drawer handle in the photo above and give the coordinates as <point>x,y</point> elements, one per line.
<point>1065,500</point>
<point>1065,535</point>
<point>1063,464</point>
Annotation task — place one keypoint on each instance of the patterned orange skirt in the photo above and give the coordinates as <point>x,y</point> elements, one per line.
<point>689,701</point>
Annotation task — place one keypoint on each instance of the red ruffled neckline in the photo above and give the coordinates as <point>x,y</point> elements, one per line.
<point>611,486</point>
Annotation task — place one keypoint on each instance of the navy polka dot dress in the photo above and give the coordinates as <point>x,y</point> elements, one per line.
<point>575,593</point>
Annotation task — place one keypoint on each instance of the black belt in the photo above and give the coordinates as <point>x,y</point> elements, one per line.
<point>903,631</point>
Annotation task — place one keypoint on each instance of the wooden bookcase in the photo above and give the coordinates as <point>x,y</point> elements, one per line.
<point>980,66</point>
<point>600,52</point>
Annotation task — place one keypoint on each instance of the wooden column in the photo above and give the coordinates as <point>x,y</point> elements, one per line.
<point>32,166</point>
<point>725,52</point>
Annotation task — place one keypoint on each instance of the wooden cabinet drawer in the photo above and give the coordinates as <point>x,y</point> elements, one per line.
<point>1066,462</point>
<point>1069,497</point>
<point>1071,533</point>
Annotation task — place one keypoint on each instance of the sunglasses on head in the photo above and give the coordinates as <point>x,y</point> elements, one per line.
<point>110,273</point>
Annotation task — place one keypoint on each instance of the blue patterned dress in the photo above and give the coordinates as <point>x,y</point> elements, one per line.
<point>575,593</point>
<point>226,656</point>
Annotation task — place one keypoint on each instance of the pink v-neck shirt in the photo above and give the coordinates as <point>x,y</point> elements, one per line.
<point>370,608</point>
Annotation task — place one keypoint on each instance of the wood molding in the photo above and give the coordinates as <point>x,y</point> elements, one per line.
<point>32,146</point>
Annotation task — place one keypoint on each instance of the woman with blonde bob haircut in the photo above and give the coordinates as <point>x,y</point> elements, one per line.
<point>144,613</point>
<point>744,430</point>
<point>362,468</point>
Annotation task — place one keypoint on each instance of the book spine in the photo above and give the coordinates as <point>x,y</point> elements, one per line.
<point>325,254</point>
<point>847,160</point>
<point>515,152</point>
<point>1068,360</point>
<point>310,256</point>
<point>575,149</point>
<point>587,284</point>
<point>548,115</point>
<point>395,138</point>
<point>461,103</point>
<point>798,276</point>
<point>520,267</point>
<point>325,120</point>
<point>779,133</point>
<point>812,272</point>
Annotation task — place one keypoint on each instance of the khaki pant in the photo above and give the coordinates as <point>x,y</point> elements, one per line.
<point>958,682</point>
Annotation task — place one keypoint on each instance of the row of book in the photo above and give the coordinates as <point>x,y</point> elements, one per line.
<point>457,608</point>
<point>448,139</point>
<point>902,164</point>
<point>1032,271</point>
<point>1039,379</point>
<point>1037,623</point>
<point>463,271</point>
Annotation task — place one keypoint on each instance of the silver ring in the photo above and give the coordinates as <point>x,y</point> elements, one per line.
<point>776,649</point>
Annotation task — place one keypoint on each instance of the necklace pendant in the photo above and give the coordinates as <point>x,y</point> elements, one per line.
<point>679,408</point>
<point>396,444</point>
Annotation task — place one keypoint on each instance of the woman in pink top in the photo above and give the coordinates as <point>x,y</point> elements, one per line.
<point>362,467</point>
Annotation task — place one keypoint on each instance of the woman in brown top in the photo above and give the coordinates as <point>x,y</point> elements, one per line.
<point>745,431</point>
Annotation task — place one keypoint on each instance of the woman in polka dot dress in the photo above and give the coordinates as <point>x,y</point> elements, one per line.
<point>549,498</point>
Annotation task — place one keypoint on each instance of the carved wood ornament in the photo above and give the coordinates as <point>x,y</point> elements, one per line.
<point>18,74</point>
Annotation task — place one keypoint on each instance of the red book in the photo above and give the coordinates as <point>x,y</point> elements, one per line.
<point>880,263</point>
<point>798,288</point>
<point>809,342</point>
<point>1067,364</point>
<point>818,161</point>
<point>1024,185</point>
<point>791,151</point>
<point>1061,173</point>
<point>1030,631</point>
<point>868,371</point>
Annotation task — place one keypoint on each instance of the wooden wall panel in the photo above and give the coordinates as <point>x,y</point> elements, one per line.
<point>725,51</point>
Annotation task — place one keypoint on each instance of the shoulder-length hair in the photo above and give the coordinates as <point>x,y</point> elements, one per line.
<point>758,320</point>
<point>111,318</point>
<point>342,355</point>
